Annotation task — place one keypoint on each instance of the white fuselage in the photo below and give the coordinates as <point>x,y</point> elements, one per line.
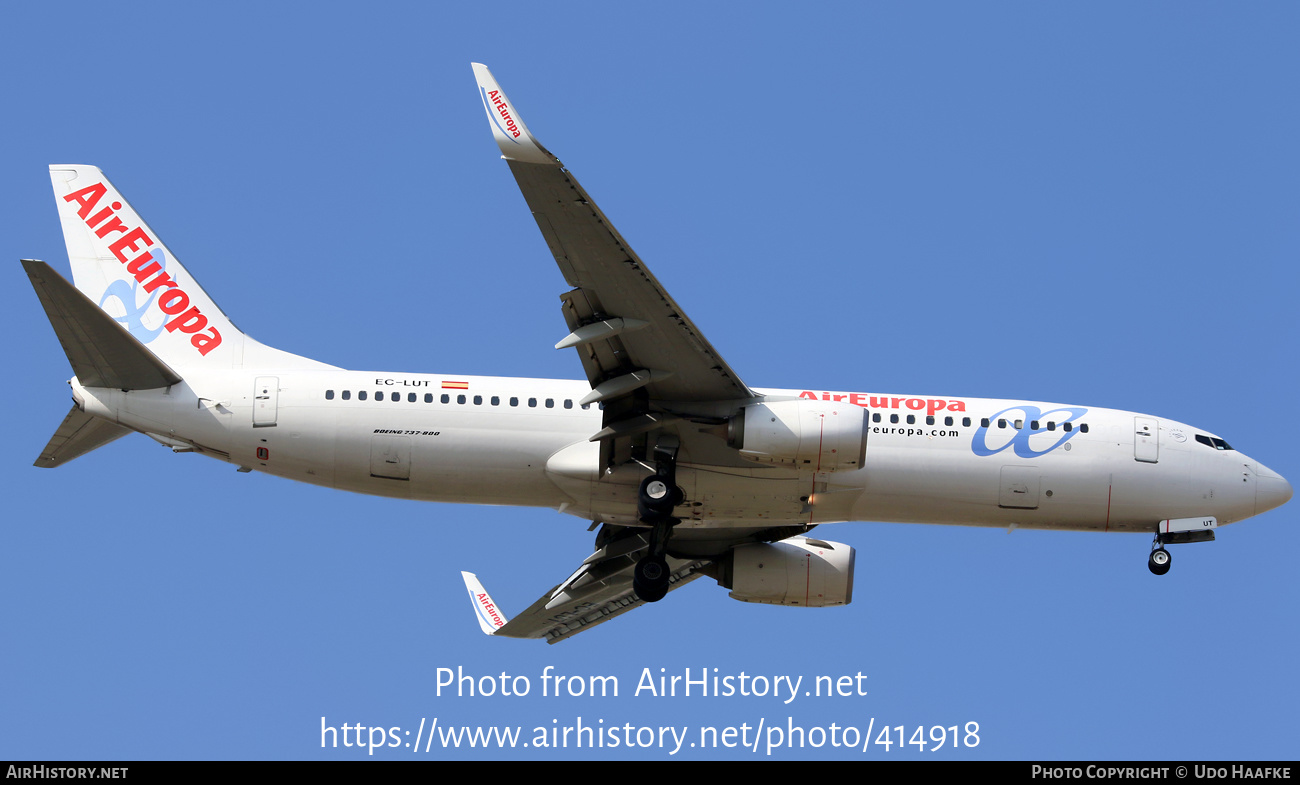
<point>512,441</point>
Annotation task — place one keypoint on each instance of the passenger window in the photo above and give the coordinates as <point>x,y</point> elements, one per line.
<point>496,400</point>
<point>550,403</point>
<point>965,422</point>
<point>532,402</point>
<point>361,395</point>
<point>410,397</point>
<point>1051,426</point>
<point>329,395</point>
<point>947,421</point>
<point>875,417</point>
<point>1020,424</point>
<point>514,401</point>
<point>568,403</point>
<point>586,406</point>
<point>460,399</point>
<point>1033,426</point>
<point>428,397</point>
<point>893,418</point>
<point>911,419</point>
<point>929,419</point>
<point>478,400</point>
<point>347,395</point>
<point>1002,423</point>
<point>446,398</point>
<point>1083,428</point>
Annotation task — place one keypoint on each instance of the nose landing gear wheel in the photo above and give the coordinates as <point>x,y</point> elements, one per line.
<point>650,578</point>
<point>1159,562</point>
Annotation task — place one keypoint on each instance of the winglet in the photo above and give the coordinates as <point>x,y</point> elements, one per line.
<point>489,616</point>
<point>508,128</point>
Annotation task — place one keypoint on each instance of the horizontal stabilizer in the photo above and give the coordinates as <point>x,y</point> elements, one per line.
<point>77,435</point>
<point>101,351</point>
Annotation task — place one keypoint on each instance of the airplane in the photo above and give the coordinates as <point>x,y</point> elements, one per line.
<point>682,468</point>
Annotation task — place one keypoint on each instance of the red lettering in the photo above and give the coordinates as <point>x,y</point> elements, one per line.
<point>115,225</point>
<point>189,322</point>
<point>957,406</point>
<point>94,220</point>
<point>173,301</point>
<point>129,241</point>
<point>894,402</point>
<point>87,197</point>
<point>879,403</point>
<point>808,395</point>
<point>915,403</point>
<point>206,343</point>
<point>160,281</point>
<point>934,405</point>
<point>858,399</point>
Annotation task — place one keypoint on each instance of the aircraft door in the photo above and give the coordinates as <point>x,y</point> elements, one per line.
<point>1019,487</point>
<point>266,396</point>
<point>1146,439</point>
<point>390,456</point>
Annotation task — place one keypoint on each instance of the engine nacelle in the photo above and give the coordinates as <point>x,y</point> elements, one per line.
<point>815,435</point>
<point>799,571</point>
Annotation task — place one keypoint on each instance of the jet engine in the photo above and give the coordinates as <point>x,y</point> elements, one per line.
<point>799,571</point>
<point>816,435</point>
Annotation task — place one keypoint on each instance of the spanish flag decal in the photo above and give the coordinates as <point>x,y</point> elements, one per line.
<point>455,385</point>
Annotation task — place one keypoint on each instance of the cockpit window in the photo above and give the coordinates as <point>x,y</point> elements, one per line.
<point>1213,441</point>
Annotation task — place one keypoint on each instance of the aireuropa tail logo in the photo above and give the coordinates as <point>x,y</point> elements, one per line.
<point>1024,427</point>
<point>493,100</point>
<point>487,609</point>
<point>147,268</point>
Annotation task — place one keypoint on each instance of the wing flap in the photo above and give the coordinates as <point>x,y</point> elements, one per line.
<point>556,616</point>
<point>599,590</point>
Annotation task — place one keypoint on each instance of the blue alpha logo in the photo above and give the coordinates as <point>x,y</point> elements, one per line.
<point>127,292</point>
<point>1024,428</point>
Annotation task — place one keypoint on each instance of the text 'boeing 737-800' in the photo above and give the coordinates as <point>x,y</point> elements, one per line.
<point>686,469</point>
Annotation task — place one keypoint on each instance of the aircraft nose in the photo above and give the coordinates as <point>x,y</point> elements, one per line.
<point>1271,490</point>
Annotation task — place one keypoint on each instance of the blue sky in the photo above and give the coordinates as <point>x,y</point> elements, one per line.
<point>1087,204</point>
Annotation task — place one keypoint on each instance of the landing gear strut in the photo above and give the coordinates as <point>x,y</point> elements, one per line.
<point>656,498</point>
<point>1159,561</point>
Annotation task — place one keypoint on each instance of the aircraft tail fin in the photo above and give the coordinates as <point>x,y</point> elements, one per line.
<point>123,267</point>
<point>490,618</point>
<point>77,435</point>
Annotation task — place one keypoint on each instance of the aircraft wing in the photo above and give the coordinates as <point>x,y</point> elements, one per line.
<point>628,331</point>
<point>598,591</point>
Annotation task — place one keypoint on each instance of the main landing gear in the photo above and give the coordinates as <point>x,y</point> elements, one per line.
<point>656,498</point>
